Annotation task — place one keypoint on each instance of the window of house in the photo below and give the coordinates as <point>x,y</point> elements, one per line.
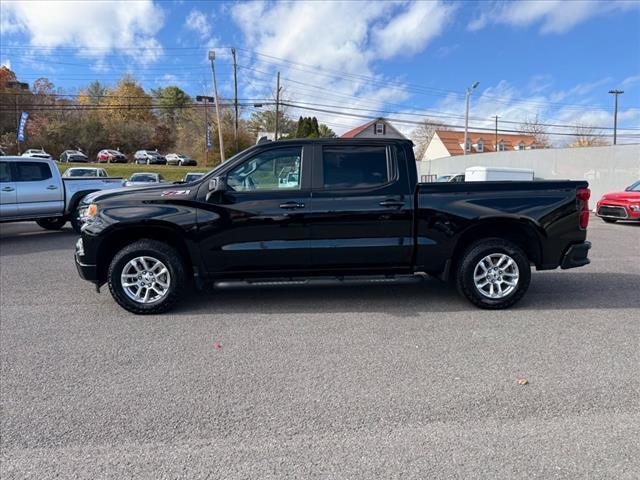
<point>521,146</point>
<point>501,146</point>
<point>533,146</point>
<point>32,171</point>
<point>355,167</point>
<point>379,128</point>
<point>480,147</point>
<point>467,146</point>
<point>277,169</point>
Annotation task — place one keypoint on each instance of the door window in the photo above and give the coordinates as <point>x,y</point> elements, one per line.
<point>355,167</point>
<point>5,172</point>
<point>277,169</point>
<point>32,171</point>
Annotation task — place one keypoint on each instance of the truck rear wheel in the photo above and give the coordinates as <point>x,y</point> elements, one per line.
<point>53,223</point>
<point>146,277</point>
<point>493,273</point>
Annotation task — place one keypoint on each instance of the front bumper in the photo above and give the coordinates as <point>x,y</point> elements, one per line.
<point>86,271</point>
<point>576,256</point>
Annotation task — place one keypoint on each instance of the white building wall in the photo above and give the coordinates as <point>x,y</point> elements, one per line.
<point>435,149</point>
<point>607,169</point>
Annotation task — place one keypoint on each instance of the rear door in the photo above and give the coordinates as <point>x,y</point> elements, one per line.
<point>362,211</point>
<point>39,190</point>
<point>8,197</point>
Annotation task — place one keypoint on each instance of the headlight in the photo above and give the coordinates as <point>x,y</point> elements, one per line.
<point>635,208</point>
<point>88,212</point>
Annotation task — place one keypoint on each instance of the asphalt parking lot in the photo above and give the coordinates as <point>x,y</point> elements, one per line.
<point>381,381</point>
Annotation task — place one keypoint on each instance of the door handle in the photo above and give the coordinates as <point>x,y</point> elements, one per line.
<point>291,205</point>
<point>52,187</point>
<point>8,189</point>
<point>391,203</point>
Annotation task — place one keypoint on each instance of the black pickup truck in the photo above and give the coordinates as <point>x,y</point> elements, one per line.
<point>300,210</point>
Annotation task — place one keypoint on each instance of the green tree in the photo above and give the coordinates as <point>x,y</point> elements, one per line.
<point>170,103</point>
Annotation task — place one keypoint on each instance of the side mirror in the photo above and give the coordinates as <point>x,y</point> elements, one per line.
<point>217,184</point>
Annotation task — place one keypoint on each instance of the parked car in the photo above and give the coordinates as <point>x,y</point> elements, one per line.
<point>451,177</point>
<point>73,156</point>
<point>149,157</point>
<point>192,177</point>
<point>144,178</point>
<point>369,217</point>
<point>36,153</point>
<point>620,205</point>
<point>111,156</point>
<point>2,154</point>
<point>32,189</point>
<point>84,172</point>
<point>181,160</point>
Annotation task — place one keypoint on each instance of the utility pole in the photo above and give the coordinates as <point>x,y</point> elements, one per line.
<point>17,124</point>
<point>277,105</point>
<point>206,133</point>
<point>235,98</point>
<point>212,57</point>
<point>615,113</point>
<point>496,140</point>
<point>466,116</point>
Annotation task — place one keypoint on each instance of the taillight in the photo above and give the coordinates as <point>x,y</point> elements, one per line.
<point>584,194</point>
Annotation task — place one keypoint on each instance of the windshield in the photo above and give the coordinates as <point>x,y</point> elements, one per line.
<point>81,172</point>
<point>634,187</point>
<point>444,178</point>
<point>192,176</point>
<point>143,177</point>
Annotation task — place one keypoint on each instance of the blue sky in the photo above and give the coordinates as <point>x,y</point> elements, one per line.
<point>553,59</point>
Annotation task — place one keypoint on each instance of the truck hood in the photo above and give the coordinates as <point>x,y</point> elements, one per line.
<point>622,196</point>
<point>142,193</point>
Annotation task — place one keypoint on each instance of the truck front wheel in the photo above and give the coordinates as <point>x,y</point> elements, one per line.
<point>146,277</point>
<point>493,273</point>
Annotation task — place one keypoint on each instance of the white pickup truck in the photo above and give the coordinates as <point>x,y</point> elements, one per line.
<point>32,189</point>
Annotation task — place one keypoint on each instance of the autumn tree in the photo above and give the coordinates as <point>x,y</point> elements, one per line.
<point>535,128</point>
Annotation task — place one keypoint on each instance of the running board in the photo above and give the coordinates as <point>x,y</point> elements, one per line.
<point>329,281</point>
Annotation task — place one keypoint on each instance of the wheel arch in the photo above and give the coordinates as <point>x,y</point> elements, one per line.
<point>128,234</point>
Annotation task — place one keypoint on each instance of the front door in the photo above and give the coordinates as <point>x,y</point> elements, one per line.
<point>39,191</point>
<point>8,197</point>
<point>260,222</point>
<point>362,211</point>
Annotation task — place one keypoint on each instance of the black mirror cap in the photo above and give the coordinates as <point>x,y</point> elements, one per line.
<point>217,184</point>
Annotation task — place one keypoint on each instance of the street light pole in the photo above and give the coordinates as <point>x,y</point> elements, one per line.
<point>212,57</point>
<point>466,116</point>
<point>615,113</point>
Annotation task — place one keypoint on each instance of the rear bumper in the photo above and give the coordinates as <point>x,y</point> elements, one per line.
<point>576,256</point>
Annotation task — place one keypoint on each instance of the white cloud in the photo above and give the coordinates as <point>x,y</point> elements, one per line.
<point>335,46</point>
<point>95,28</point>
<point>197,22</point>
<point>554,16</point>
<point>6,63</point>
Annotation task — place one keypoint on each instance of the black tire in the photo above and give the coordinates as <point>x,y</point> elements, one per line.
<point>54,223</point>
<point>471,258</point>
<point>609,220</point>
<point>157,250</point>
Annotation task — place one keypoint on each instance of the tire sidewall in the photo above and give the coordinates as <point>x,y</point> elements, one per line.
<point>477,252</point>
<point>176,271</point>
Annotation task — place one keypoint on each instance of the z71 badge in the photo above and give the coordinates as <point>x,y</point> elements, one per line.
<point>174,193</point>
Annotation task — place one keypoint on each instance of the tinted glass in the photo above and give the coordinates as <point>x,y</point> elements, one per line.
<point>32,171</point>
<point>143,178</point>
<point>277,169</point>
<point>354,167</point>
<point>5,172</point>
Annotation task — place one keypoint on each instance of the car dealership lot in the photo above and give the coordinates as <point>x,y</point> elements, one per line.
<point>371,381</point>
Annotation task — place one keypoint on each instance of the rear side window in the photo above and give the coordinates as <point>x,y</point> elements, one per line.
<point>5,172</point>
<point>354,167</point>
<point>32,171</point>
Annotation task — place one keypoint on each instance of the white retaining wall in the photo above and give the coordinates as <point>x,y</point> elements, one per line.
<point>607,169</point>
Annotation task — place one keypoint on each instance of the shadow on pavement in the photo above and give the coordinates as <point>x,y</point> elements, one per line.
<point>27,237</point>
<point>548,291</point>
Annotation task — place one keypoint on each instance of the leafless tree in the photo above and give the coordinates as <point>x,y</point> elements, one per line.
<point>423,134</point>
<point>587,136</point>
<point>535,128</point>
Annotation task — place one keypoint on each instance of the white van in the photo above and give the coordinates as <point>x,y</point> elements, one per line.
<point>498,174</point>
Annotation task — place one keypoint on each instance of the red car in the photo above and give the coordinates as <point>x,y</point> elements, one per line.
<point>621,205</point>
<point>111,156</point>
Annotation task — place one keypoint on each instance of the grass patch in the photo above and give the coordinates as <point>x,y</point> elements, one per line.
<point>125,170</point>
